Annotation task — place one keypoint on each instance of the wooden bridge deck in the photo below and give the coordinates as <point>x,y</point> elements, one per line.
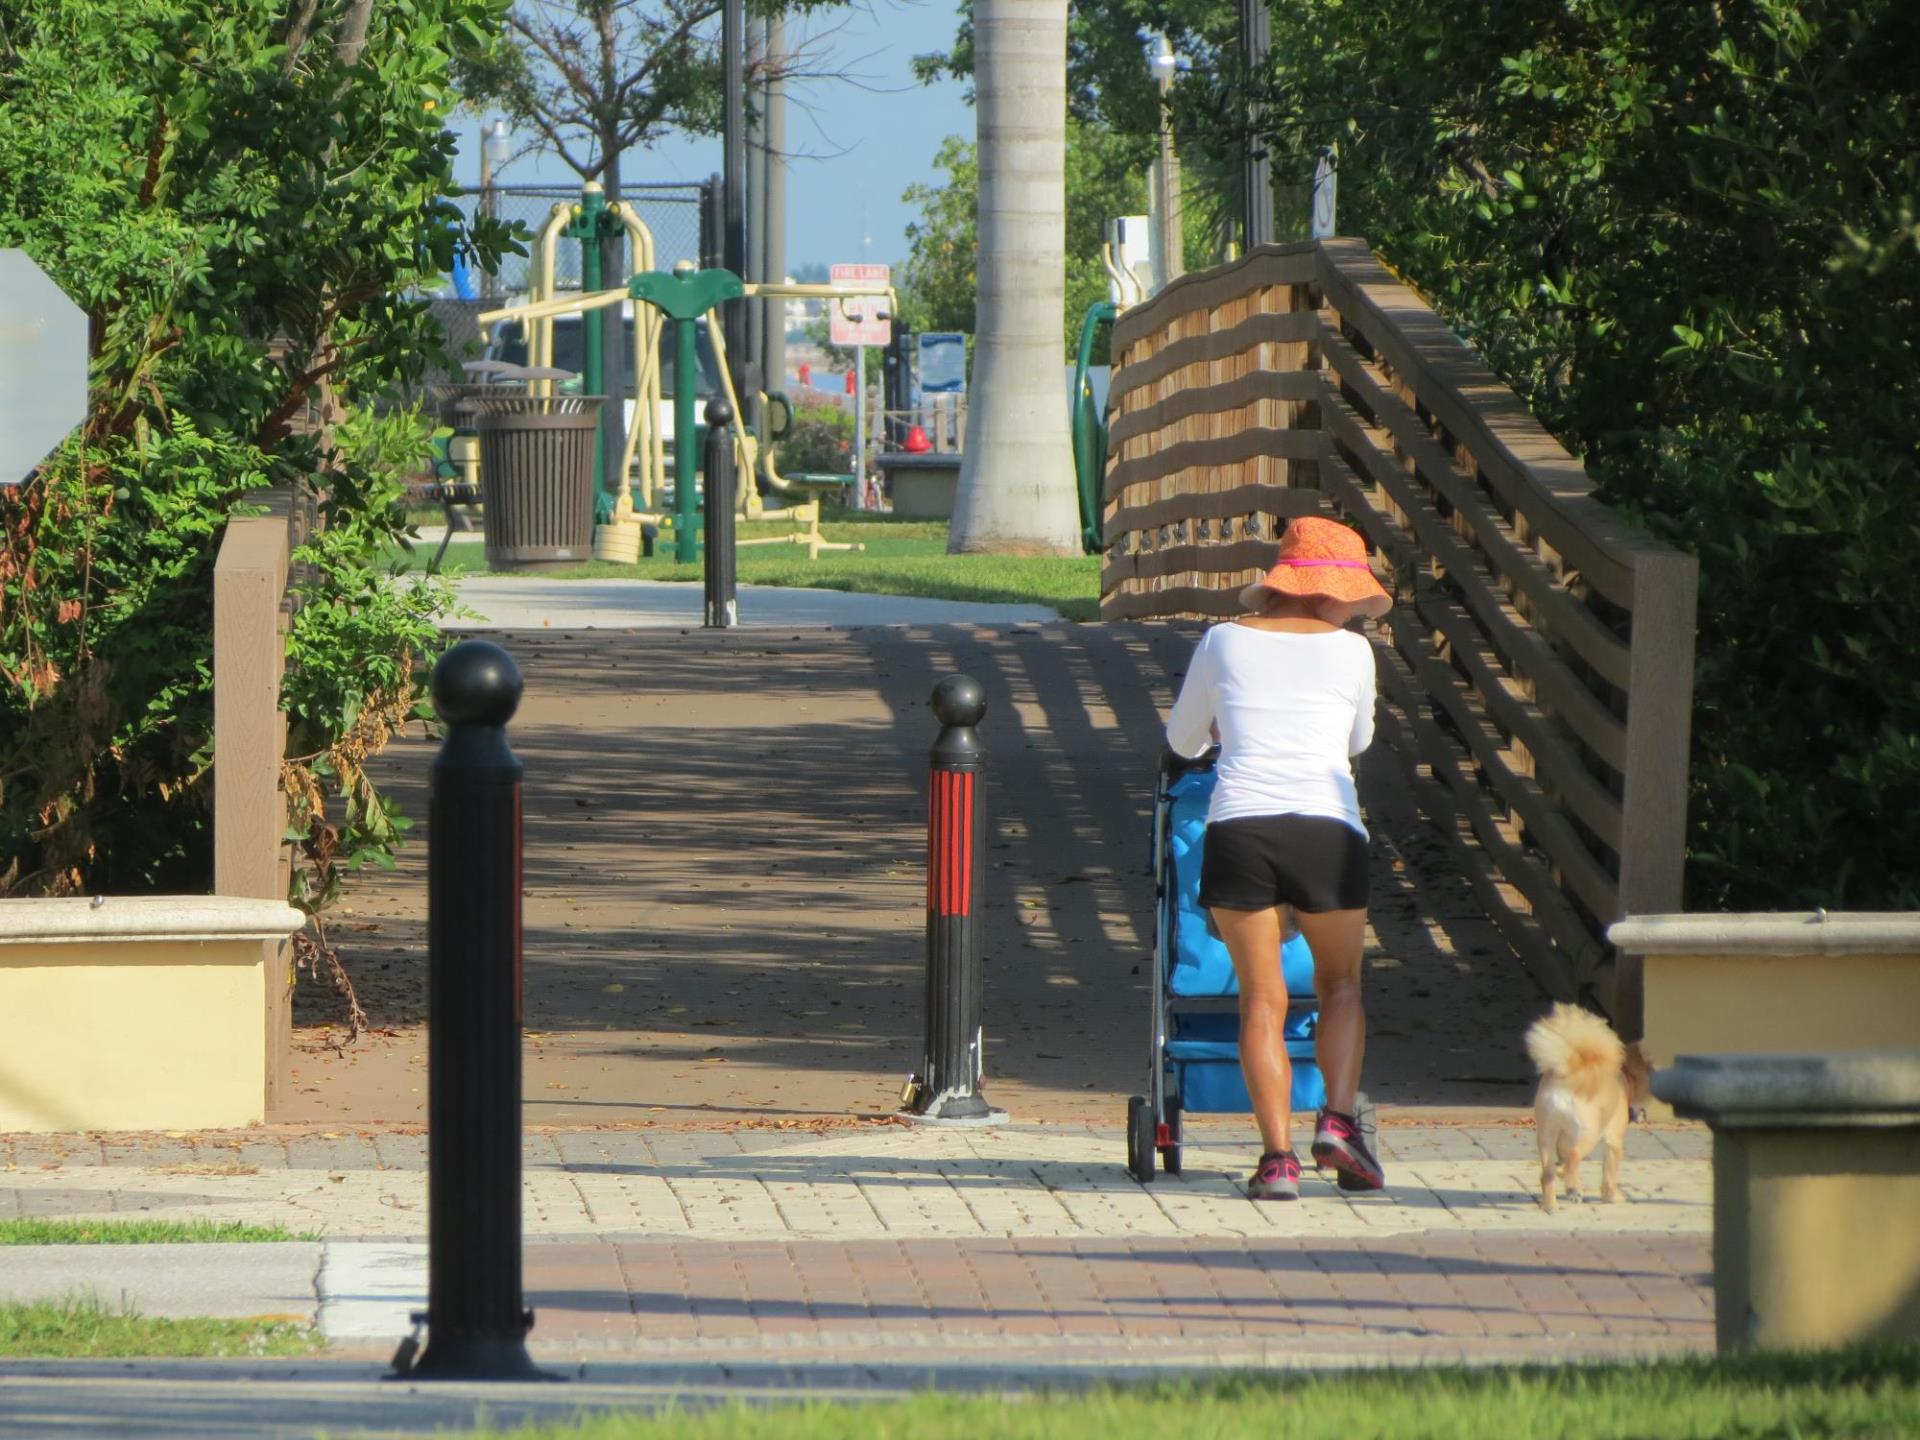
<point>724,835</point>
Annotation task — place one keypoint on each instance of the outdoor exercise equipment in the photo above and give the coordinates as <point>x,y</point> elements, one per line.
<point>592,223</point>
<point>618,534</point>
<point>673,298</point>
<point>683,297</point>
<point>1090,429</point>
<point>803,493</point>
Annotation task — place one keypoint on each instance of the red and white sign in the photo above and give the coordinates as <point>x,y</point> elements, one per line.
<point>860,319</point>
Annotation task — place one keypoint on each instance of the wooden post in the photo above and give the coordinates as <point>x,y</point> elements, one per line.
<point>249,741</point>
<point>1653,822</point>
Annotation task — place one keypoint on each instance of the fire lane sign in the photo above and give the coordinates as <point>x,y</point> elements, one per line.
<point>43,366</point>
<point>860,319</point>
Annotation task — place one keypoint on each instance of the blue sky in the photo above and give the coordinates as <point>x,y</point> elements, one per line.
<point>858,142</point>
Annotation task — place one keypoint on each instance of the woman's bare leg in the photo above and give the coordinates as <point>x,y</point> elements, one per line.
<point>1337,939</point>
<point>1253,940</point>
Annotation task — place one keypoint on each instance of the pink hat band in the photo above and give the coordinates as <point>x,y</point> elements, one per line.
<point>1341,564</point>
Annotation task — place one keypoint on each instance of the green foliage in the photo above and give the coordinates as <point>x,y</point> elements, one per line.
<point>937,283</point>
<point>351,681</point>
<point>821,442</point>
<point>1105,177</point>
<point>1114,102</point>
<point>106,578</point>
<point>241,205</point>
<point>1687,234</point>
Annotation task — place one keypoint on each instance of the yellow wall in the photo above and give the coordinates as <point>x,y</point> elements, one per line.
<point>115,1035</point>
<point>1770,1004</point>
<point>1815,1236</point>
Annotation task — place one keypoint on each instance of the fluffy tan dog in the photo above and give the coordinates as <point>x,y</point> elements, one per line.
<point>1588,1083</point>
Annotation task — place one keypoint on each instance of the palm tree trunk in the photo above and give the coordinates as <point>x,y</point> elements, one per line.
<point>1016,492</point>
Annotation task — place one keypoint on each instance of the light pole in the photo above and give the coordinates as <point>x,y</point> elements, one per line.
<point>1256,39</point>
<point>496,149</point>
<point>1162,63</point>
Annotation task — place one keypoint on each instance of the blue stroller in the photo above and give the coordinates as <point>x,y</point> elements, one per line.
<point>1194,1064</point>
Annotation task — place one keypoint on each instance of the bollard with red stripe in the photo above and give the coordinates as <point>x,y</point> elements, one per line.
<point>947,1089</point>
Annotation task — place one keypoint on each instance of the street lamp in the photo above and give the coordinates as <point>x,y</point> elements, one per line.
<point>496,149</point>
<point>1163,65</point>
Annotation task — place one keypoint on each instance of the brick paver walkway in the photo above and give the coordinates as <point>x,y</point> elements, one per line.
<point>1276,1302</point>
<point>885,1244</point>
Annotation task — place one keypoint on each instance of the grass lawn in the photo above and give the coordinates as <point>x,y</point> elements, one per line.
<point>1856,1393</point>
<point>86,1329</point>
<point>902,557</point>
<point>38,1231</point>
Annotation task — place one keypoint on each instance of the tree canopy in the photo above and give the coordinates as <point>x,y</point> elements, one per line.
<point>1689,235</point>
<point>1106,176</point>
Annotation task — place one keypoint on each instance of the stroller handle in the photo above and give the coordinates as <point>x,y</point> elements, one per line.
<point>1173,766</point>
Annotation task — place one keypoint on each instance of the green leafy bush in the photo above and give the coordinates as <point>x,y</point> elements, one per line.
<point>820,443</point>
<point>1689,236</point>
<point>242,200</point>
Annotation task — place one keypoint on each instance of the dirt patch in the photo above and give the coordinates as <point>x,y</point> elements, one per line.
<point>724,893</point>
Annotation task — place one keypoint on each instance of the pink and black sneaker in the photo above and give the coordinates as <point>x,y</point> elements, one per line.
<point>1338,1146</point>
<point>1277,1177</point>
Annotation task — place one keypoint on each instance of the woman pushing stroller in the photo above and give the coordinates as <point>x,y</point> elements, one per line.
<point>1289,694</point>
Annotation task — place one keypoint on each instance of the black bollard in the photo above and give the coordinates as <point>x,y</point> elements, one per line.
<point>948,1086</point>
<point>476,1320</point>
<point>723,610</point>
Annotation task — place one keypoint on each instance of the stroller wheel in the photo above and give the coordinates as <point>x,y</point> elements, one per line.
<point>1139,1140</point>
<point>1170,1155</point>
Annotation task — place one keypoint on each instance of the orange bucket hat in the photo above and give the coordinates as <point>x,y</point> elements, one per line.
<point>1323,560</point>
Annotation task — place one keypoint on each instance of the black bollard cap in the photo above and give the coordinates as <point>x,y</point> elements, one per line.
<point>958,700</point>
<point>719,412</point>
<point>476,683</point>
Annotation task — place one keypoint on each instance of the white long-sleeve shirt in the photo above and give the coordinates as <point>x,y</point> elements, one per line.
<point>1293,710</point>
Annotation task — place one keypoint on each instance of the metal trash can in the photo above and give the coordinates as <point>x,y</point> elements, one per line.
<point>536,478</point>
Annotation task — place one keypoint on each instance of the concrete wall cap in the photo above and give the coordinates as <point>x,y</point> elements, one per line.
<point>1857,1088</point>
<point>1817,932</point>
<point>145,918</point>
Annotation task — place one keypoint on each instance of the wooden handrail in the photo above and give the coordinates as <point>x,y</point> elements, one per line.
<point>1536,668</point>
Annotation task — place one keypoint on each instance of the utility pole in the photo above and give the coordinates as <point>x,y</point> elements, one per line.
<point>756,205</point>
<point>1164,64</point>
<point>733,132</point>
<point>1256,39</point>
<point>773,354</point>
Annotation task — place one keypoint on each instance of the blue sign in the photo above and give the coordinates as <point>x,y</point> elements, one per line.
<point>943,362</point>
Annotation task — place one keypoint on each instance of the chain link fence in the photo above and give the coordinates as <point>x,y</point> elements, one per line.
<point>672,212</point>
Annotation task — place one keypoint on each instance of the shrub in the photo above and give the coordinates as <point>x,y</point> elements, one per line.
<point>1689,236</point>
<point>243,207</point>
<point>821,442</point>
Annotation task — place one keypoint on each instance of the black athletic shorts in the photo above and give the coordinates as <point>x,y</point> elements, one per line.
<point>1310,862</point>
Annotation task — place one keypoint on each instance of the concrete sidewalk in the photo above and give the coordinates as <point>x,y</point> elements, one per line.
<point>861,1260</point>
<point>853,1182</point>
<point>503,602</point>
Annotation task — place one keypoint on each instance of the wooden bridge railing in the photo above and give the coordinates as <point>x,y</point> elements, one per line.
<point>1536,668</point>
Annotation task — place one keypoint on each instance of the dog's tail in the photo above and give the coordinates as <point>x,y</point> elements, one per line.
<point>1572,1044</point>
